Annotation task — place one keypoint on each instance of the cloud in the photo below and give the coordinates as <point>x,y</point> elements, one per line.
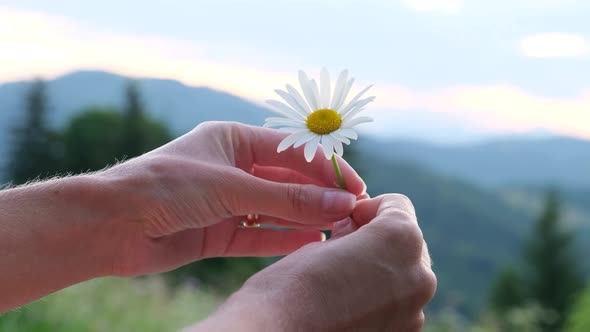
<point>552,45</point>
<point>502,108</point>
<point>48,45</point>
<point>40,44</point>
<point>448,6</point>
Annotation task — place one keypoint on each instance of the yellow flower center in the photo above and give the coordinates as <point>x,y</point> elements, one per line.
<point>324,121</point>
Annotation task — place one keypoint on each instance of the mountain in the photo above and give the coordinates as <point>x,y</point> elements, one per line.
<point>548,160</point>
<point>471,232</point>
<point>473,229</point>
<point>179,106</point>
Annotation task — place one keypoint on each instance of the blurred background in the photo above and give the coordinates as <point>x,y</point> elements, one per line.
<point>482,119</point>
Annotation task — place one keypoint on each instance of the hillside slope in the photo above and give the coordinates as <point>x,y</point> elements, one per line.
<point>559,161</point>
<point>471,233</point>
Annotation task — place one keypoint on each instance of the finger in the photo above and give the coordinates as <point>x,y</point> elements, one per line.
<point>343,228</point>
<point>362,196</point>
<point>262,146</point>
<point>390,220</point>
<point>285,175</point>
<point>241,194</point>
<point>269,242</point>
<point>278,222</point>
<point>368,209</point>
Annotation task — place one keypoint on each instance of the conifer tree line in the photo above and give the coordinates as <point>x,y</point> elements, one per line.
<point>95,138</point>
<point>548,276</point>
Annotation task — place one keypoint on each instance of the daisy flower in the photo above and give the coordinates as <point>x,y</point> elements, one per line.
<point>319,116</point>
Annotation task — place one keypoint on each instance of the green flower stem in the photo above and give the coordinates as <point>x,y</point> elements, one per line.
<point>338,172</point>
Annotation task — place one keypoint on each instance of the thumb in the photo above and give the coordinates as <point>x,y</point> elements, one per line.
<point>301,203</point>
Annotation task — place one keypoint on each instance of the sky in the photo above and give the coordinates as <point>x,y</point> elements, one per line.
<point>444,70</point>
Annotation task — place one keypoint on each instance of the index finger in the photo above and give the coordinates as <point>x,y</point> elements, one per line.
<point>261,149</point>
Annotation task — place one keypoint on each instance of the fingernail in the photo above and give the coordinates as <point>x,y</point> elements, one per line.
<point>337,201</point>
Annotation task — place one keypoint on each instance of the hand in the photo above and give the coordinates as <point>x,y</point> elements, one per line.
<point>185,200</point>
<point>374,275</point>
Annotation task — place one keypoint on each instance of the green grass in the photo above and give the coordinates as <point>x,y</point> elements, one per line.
<point>114,304</point>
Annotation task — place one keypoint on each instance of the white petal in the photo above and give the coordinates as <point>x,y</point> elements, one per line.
<point>289,130</point>
<point>325,89</point>
<point>328,146</point>
<point>345,92</point>
<point>338,89</point>
<point>289,140</point>
<point>311,147</point>
<point>338,147</point>
<point>307,90</point>
<point>277,122</point>
<point>357,107</point>
<point>339,137</point>
<point>348,132</point>
<point>287,97</point>
<point>316,93</point>
<point>356,121</point>
<point>298,98</point>
<point>285,110</point>
<point>304,139</point>
<point>351,103</point>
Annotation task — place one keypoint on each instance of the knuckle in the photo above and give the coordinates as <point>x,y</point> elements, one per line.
<point>298,197</point>
<point>409,237</point>
<point>414,236</point>
<point>404,237</point>
<point>422,287</point>
<point>426,260</point>
<point>418,323</point>
<point>401,202</point>
<point>430,284</point>
<point>208,126</point>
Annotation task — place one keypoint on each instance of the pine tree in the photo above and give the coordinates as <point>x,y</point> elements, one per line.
<point>133,140</point>
<point>92,139</point>
<point>507,292</point>
<point>553,277</point>
<point>34,152</point>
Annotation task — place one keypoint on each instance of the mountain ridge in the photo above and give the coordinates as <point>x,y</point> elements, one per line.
<point>471,230</point>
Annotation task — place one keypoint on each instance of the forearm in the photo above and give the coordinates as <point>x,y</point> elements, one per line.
<point>247,311</point>
<point>49,234</point>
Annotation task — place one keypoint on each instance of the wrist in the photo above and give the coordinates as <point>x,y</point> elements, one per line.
<point>248,310</point>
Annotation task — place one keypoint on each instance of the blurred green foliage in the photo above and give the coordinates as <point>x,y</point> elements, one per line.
<point>548,275</point>
<point>579,317</point>
<point>113,304</point>
<point>508,291</point>
<point>35,148</point>
<point>528,317</point>
<point>552,274</point>
<point>471,233</point>
<point>94,139</point>
<point>225,275</point>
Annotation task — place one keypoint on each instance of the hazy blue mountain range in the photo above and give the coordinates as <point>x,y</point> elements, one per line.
<point>472,226</point>
<point>179,106</point>
<point>548,160</point>
<point>472,231</point>
<point>530,159</point>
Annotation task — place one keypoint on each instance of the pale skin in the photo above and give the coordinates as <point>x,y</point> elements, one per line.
<point>184,202</point>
